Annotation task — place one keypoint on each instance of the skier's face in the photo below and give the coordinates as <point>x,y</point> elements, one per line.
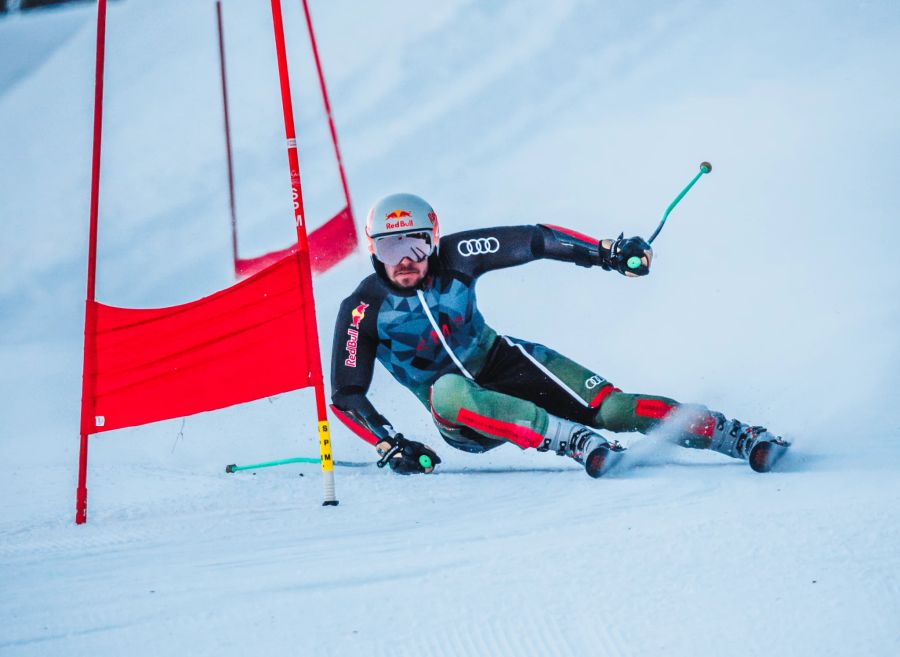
<point>407,273</point>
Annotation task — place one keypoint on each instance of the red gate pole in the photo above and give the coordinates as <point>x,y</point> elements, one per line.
<point>334,139</point>
<point>234,247</point>
<point>312,342</point>
<point>90,313</point>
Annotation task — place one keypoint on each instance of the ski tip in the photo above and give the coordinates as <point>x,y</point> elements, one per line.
<point>765,455</point>
<point>602,459</point>
<point>595,462</point>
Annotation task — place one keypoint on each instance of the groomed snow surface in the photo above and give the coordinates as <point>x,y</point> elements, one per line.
<point>773,298</point>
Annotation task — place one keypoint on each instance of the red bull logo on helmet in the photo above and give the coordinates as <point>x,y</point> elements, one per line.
<point>400,223</point>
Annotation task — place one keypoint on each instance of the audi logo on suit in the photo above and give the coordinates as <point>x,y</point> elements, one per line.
<point>482,245</point>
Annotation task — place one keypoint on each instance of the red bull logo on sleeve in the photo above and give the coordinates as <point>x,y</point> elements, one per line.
<point>351,345</point>
<point>358,314</point>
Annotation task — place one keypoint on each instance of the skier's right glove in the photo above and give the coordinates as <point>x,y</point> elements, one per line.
<point>406,456</point>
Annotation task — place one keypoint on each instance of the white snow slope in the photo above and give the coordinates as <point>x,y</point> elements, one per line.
<point>773,298</point>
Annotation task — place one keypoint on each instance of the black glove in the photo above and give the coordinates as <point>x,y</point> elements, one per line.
<point>624,253</point>
<point>407,456</point>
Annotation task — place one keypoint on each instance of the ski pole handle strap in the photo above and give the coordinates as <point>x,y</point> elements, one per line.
<point>388,455</point>
<point>408,456</point>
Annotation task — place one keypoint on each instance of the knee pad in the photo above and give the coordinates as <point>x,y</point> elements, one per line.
<point>448,394</point>
<point>616,413</point>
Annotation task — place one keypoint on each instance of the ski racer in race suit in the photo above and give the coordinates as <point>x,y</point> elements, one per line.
<point>417,315</point>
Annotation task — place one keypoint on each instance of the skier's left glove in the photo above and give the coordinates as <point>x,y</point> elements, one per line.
<point>406,456</point>
<point>631,257</point>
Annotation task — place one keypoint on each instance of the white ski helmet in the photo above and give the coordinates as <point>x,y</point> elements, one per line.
<point>399,214</point>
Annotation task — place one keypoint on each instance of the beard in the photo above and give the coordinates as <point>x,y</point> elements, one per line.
<point>411,275</point>
<point>406,277</point>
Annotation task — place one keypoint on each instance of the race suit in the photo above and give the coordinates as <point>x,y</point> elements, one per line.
<point>482,389</point>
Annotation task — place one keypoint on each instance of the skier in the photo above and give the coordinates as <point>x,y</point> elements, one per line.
<point>417,316</point>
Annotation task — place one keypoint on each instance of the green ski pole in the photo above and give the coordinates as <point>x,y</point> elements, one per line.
<point>301,459</point>
<point>268,464</point>
<point>705,167</point>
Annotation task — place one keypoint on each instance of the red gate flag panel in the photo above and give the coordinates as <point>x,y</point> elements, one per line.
<point>254,339</point>
<point>245,342</point>
<point>332,241</point>
<point>328,245</point>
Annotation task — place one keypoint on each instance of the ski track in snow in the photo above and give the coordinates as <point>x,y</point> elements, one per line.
<point>506,563</point>
<point>582,114</point>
